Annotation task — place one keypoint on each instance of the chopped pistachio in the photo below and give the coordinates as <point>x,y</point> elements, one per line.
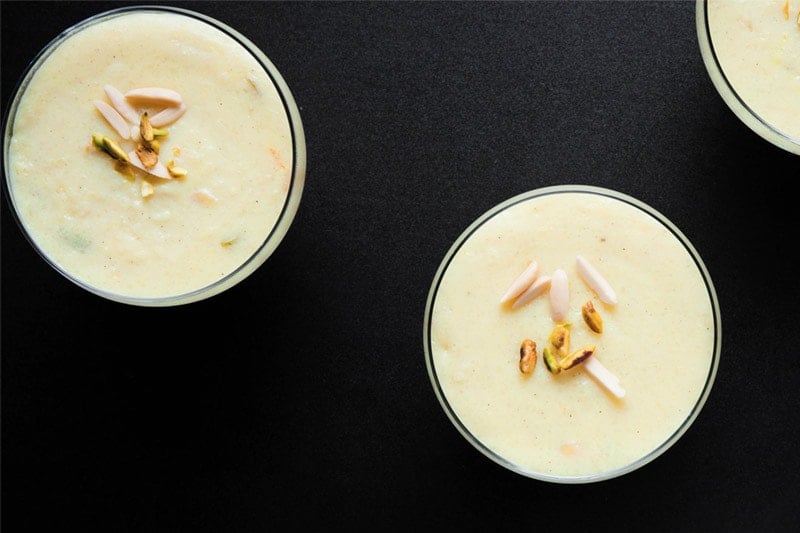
<point>147,189</point>
<point>177,172</point>
<point>147,155</point>
<point>550,360</point>
<point>559,338</point>
<point>145,128</point>
<point>527,356</point>
<point>114,150</point>
<point>577,357</point>
<point>592,317</point>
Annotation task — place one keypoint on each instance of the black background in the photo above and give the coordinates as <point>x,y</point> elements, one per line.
<point>300,399</point>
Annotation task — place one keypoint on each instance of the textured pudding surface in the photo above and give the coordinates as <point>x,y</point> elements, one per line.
<point>234,140</point>
<point>757,44</point>
<point>659,339</point>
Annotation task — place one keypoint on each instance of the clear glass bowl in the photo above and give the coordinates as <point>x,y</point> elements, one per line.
<point>264,79</point>
<point>748,111</point>
<point>537,425</point>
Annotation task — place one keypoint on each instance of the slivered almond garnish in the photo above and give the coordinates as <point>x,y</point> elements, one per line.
<point>522,282</point>
<point>119,103</point>
<point>538,287</point>
<point>608,380</point>
<point>167,116</point>
<point>559,295</point>
<point>595,281</point>
<point>158,170</point>
<point>114,119</point>
<point>154,96</point>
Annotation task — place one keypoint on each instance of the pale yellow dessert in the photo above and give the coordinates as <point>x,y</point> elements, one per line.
<point>757,45</point>
<point>656,340</point>
<point>128,233</point>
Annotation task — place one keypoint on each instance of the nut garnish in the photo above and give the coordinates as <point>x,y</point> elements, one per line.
<point>559,338</point>
<point>109,146</point>
<point>538,287</point>
<point>592,317</point>
<point>550,360</point>
<point>527,356</point>
<point>154,95</point>
<point>595,281</point>
<point>611,382</point>
<point>158,170</point>
<point>177,172</point>
<point>144,133</point>
<point>113,118</point>
<point>167,116</point>
<point>522,282</point>
<point>122,106</point>
<point>559,295</point>
<point>147,189</point>
<point>147,155</point>
<point>577,357</point>
<point>145,128</point>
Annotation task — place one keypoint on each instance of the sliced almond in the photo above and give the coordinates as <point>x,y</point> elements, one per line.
<point>599,372</point>
<point>538,287</point>
<point>559,295</point>
<point>158,170</point>
<point>522,282</point>
<point>154,96</point>
<point>122,106</point>
<point>595,281</point>
<point>167,116</point>
<point>114,119</point>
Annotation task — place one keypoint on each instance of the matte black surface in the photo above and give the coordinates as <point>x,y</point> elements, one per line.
<point>300,398</point>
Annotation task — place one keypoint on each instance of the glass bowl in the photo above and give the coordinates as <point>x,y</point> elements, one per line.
<point>652,365</point>
<point>153,236</point>
<point>751,51</point>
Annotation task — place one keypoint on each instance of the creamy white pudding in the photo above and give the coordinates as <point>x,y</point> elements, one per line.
<point>129,235</point>
<point>660,340</point>
<point>752,51</point>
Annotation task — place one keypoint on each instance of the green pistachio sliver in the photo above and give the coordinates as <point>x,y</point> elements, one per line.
<point>114,150</point>
<point>160,132</point>
<point>550,360</point>
<point>97,140</point>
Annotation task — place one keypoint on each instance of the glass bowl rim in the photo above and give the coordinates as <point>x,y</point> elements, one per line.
<point>298,165</point>
<point>464,236</point>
